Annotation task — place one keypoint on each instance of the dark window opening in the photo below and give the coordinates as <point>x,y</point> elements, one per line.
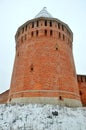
<point>32,24</point>
<point>62,28</point>
<point>63,37</point>
<point>81,79</point>
<point>25,37</point>
<point>21,39</point>
<point>45,22</point>
<point>37,24</point>
<point>50,32</point>
<point>80,92</point>
<point>59,35</point>
<point>85,79</point>
<point>45,32</point>
<point>59,25</point>
<point>26,28</point>
<point>56,47</point>
<point>50,23</point>
<point>22,30</point>
<point>60,98</point>
<point>32,34</point>
<point>37,33</point>
<point>31,68</point>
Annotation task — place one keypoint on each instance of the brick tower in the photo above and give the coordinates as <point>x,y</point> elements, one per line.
<point>44,70</point>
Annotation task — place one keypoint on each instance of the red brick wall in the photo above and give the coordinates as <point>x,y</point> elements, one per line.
<point>82,88</point>
<point>44,61</point>
<point>4,97</point>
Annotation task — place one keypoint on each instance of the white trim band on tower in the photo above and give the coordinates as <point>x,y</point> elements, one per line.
<point>45,91</point>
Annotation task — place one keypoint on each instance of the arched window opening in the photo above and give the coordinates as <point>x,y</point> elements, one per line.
<point>45,32</point>
<point>50,32</point>
<point>45,22</point>
<point>31,34</point>
<point>62,27</point>
<point>59,25</point>
<point>37,24</point>
<point>36,32</point>
<point>60,98</point>
<point>31,67</point>
<point>32,24</point>
<point>80,92</point>
<point>22,39</point>
<point>81,79</point>
<point>63,37</point>
<point>25,37</point>
<point>26,28</point>
<point>22,30</point>
<point>50,23</point>
<point>59,35</point>
<point>56,47</point>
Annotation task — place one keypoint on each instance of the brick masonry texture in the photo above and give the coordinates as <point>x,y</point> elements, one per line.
<point>44,64</point>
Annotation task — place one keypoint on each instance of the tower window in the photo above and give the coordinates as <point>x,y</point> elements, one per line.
<point>81,79</point>
<point>31,34</point>
<point>80,92</point>
<point>37,24</point>
<point>50,32</point>
<point>26,28</point>
<point>56,47</point>
<point>59,25</point>
<point>37,33</point>
<point>45,32</point>
<point>63,37</point>
<point>32,24</point>
<point>85,79</point>
<point>62,28</point>
<point>59,35</point>
<point>31,68</point>
<point>45,22</point>
<point>22,30</point>
<point>50,23</point>
<point>60,98</point>
<point>25,37</point>
<point>21,39</point>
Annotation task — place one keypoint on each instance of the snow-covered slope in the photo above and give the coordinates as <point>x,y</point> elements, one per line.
<point>41,117</point>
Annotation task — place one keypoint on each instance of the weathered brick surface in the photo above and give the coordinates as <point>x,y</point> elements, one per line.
<point>4,97</point>
<point>44,61</point>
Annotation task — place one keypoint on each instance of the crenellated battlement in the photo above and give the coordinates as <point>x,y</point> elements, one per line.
<point>81,78</point>
<point>41,27</point>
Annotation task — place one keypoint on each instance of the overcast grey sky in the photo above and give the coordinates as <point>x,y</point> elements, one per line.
<point>14,13</point>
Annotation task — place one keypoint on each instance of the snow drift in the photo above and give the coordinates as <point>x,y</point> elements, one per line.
<point>41,117</point>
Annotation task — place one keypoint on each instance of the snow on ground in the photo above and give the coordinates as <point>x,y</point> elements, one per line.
<point>41,117</point>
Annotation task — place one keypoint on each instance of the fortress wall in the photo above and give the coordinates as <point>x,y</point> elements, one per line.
<point>4,97</point>
<point>82,88</point>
